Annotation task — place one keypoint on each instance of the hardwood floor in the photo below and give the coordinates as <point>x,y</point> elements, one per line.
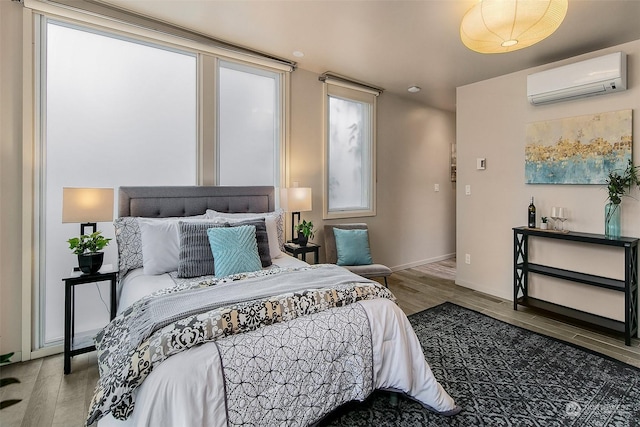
<point>50,398</point>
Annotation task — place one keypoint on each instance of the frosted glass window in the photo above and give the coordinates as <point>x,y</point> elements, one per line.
<point>350,160</point>
<point>248,146</point>
<point>116,113</point>
<point>349,155</point>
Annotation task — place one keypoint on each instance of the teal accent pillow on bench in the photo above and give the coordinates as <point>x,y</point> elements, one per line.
<point>352,247</point>
<point>234,249</point>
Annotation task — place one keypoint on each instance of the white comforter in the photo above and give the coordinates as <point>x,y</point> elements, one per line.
<point>187,389</point>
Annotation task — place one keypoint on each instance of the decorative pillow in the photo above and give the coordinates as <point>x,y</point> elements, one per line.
<point>262,238</point>
<point>160,245</point>
<point>129,243</point>
<point>277,216</point>
<point>129,240</point>
<point>195,257</point>
<point>352,247</point>
<point>234,250</point>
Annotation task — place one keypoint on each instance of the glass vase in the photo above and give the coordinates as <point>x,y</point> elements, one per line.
<point>612,220</point>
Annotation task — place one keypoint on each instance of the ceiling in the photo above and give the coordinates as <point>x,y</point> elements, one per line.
<point>392,44</point>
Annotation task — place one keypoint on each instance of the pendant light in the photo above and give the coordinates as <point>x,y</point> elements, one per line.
<point>498,26</point>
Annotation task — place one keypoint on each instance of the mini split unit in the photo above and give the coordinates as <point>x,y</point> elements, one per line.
<point>595,76</point>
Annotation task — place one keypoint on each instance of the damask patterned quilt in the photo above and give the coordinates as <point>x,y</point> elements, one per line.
<point>276,347</point>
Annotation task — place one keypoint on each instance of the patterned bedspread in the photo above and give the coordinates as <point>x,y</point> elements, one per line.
<point>126,361</point>
<point>294,373</point>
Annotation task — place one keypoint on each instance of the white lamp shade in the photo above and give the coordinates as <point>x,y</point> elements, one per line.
<point>295,199</point>
<point>498,26</point>
<point>82,205</point>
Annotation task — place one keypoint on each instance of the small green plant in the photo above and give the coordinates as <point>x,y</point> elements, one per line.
<point>4,359</point>
<point>619,185</point>
<point>93,242</point>
<point>544,219</point>
<point>306,228</point>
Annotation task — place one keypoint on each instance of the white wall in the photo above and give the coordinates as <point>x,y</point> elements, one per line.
<point>491,120</point>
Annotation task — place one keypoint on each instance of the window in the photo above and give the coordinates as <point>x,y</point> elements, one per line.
<point>114,112</point>
<point>116,109</point>
<point>249,137</point>
<point>349,152</point>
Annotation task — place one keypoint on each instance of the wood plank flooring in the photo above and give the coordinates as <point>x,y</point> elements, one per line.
<point>50,398</point>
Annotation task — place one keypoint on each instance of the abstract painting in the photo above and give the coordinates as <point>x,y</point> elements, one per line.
<point>578,150</point>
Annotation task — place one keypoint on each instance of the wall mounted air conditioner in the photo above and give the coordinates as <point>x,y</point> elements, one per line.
<point>595,76</point>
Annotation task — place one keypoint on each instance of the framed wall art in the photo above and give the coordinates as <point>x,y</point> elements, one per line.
<point>578,150</point>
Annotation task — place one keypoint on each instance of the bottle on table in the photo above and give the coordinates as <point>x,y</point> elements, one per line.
<point>532,215</point>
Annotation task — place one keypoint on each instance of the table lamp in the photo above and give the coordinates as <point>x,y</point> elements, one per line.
<point>295,200</point>
<point>87,206</point>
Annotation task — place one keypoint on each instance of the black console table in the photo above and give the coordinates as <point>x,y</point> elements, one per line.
<point>522,267</point>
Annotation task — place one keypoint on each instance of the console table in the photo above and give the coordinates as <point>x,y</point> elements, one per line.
<point>522,267</point>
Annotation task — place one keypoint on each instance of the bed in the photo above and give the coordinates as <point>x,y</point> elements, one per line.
<point>282,343</point>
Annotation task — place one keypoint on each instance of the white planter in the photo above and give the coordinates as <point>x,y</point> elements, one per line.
<point>544,225</point>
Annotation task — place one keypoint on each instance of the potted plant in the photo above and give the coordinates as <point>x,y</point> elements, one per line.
<point>618,185</point>
<point>544,225</point>
<point>88,248</point>
<point>305,231</point>
<point>4,359</point>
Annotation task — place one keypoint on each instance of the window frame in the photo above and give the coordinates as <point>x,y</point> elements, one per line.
<point>349,92</point>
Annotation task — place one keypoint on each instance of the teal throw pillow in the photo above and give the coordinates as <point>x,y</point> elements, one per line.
<point>352,247</point>
<point>234,249</point>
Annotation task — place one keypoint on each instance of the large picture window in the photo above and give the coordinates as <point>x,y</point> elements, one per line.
<point>129,106</point>
<point>114,112</point>
<point>349,152</point>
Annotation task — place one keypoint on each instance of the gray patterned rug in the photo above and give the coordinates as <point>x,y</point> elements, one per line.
<point>503,375</point>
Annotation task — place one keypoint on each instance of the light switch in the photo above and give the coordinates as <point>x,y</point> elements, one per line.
<point>436,187</point>
<point>467,190</point>
<point>481,163</point>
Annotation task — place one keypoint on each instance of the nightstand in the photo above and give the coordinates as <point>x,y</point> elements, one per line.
<point>76,278</point>
<point>295,250</point>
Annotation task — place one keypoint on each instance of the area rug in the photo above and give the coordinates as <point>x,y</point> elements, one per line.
<point>503,375</point>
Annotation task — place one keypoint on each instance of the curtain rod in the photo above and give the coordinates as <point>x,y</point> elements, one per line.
<point>329,75</point>
<point>100,9</point>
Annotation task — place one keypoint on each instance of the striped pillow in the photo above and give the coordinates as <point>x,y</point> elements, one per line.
<point>195,258</point>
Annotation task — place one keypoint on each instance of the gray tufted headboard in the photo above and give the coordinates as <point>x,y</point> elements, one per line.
<point>161,202</point>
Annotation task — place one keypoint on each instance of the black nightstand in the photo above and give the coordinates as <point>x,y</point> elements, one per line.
<point>85,345</point>
<point>295,250</point>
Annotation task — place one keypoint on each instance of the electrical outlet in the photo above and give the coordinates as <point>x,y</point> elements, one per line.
<point>467,258</point>
<point>467,190</point>
<point>436,187</point>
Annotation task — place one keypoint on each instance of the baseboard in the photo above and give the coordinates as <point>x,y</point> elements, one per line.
<point>422,262</point>
<point>47,351</point>
<point>496,292</point>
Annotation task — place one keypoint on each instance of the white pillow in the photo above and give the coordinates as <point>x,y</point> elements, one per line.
<point>273,220</point>
<point>161,243</point>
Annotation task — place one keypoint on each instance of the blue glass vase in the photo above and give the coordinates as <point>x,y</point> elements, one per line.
<point>612,220</point>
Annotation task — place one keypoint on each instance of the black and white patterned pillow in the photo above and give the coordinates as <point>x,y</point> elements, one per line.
<point>129,240</point>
